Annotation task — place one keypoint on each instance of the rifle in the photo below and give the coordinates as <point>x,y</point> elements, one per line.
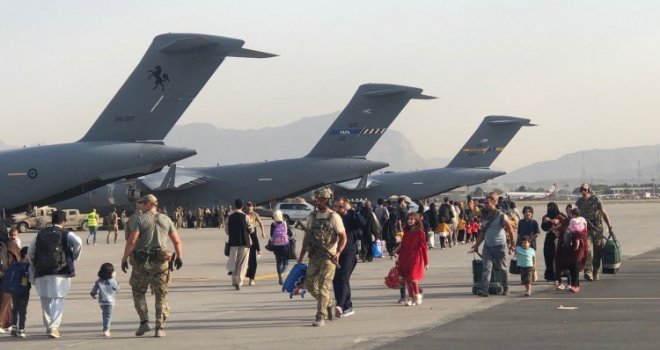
<point>317,245</point>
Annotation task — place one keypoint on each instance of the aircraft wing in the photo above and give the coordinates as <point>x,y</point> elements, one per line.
<point>357,184</point>
<point>174,180</point>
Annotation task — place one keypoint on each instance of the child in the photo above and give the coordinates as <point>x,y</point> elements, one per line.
<point>526,257</point>
<point>573,248</point>
<point>106,287</point>
<point>13,236</point>
<point>16,283</point>
<point>473,229</point>
<point>413,257</point>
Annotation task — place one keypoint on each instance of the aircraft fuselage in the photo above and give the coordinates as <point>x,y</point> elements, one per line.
<point>419,184</point>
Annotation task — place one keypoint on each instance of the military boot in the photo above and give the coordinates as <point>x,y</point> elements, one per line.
<point>144,328</point>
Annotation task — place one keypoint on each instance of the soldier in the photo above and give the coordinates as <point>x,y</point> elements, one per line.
<point>146,248</point>
<point>591,208</point>
<point>325,239</point>
<point>113,226</point>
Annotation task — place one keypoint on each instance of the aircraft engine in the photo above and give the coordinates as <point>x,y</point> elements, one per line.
<point>114,194</point>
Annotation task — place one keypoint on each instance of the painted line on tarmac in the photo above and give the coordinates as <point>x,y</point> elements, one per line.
<point>266,276</point>
<point>589,298</point>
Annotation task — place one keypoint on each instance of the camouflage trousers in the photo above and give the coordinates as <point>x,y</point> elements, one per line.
<point>595,254</point>
<point>320,273</point>
<point>158,277</point>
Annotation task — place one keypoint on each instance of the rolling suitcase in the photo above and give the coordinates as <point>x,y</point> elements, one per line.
<point>611,255</point>
<point>295,281</point>
<point>495,286</point>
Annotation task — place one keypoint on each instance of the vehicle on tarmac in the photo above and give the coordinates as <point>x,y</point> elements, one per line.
<point>39,218</point>
<point>294,211</point>
<point>33,219</point>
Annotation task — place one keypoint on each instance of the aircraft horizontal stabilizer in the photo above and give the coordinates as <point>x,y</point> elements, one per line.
<point>397,89</point>
<point>250,54</point>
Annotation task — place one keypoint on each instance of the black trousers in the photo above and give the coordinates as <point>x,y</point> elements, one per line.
<point>341,283</point>
<point>549,256</point>
<point>19,309</point>
<point>252,259</point>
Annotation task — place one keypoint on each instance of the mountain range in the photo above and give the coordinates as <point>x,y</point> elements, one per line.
<point>216,146</point>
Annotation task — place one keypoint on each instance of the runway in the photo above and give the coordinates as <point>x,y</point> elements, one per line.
<point>206,312</point>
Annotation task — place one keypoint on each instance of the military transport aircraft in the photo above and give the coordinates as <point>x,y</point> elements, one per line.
<point>470,166</point>
<point>126,139</point>
<point>338,156</point>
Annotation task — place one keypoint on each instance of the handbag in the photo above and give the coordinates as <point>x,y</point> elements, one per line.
<point>269,246</point>
<point>227,248</point>
<point>514,268</point>
<point>393,278</point>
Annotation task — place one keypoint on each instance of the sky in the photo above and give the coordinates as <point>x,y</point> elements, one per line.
<point>586,72</point>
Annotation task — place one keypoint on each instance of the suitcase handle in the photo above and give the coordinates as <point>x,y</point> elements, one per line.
<point>612,236</point>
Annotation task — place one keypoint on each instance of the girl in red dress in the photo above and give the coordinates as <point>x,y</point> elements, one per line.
<point>413,257</point>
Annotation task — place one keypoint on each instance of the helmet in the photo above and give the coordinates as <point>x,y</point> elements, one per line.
<point>323,193</point>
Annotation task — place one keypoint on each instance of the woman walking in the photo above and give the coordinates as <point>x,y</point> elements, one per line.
<point>279,239</point>
<point>551,223</point>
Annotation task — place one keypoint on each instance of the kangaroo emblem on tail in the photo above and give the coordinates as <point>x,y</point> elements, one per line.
<point>158,78</point>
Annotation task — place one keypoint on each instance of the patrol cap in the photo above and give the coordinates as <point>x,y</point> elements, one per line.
<point>150,198</point>
<point>323,193</point>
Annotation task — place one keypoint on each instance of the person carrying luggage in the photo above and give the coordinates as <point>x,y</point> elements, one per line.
<point>496,234</point>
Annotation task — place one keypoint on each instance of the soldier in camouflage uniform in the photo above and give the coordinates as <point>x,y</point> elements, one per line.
<point>146,250</point>
<point>324,240</point>
<point>591,208</point>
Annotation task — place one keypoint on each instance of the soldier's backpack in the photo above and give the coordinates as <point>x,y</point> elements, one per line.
<point>50,257</point>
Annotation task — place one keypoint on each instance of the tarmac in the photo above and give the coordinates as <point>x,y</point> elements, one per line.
<point>206,312</point>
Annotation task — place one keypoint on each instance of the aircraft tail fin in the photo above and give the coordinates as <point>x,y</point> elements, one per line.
<point>363,182</point>
<point>488,141</point>
<point>168,180</point>
<point>552,191</point>
<point>363,121</point>
<point>168,78</point>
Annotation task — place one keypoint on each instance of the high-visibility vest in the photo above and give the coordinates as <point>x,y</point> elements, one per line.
<point>91,219</point>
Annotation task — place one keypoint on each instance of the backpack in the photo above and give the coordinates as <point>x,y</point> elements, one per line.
<point>4,259</point>
<point>15,281</point>
<point>50,257</point>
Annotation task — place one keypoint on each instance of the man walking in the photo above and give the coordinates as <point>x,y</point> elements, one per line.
<point>237,228</point>
<point>348,259</point>
<point>324,240</point>
<point>496,233</point>
<point>591,208</point>
<point>146,250</point>
<point>53,253</point>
